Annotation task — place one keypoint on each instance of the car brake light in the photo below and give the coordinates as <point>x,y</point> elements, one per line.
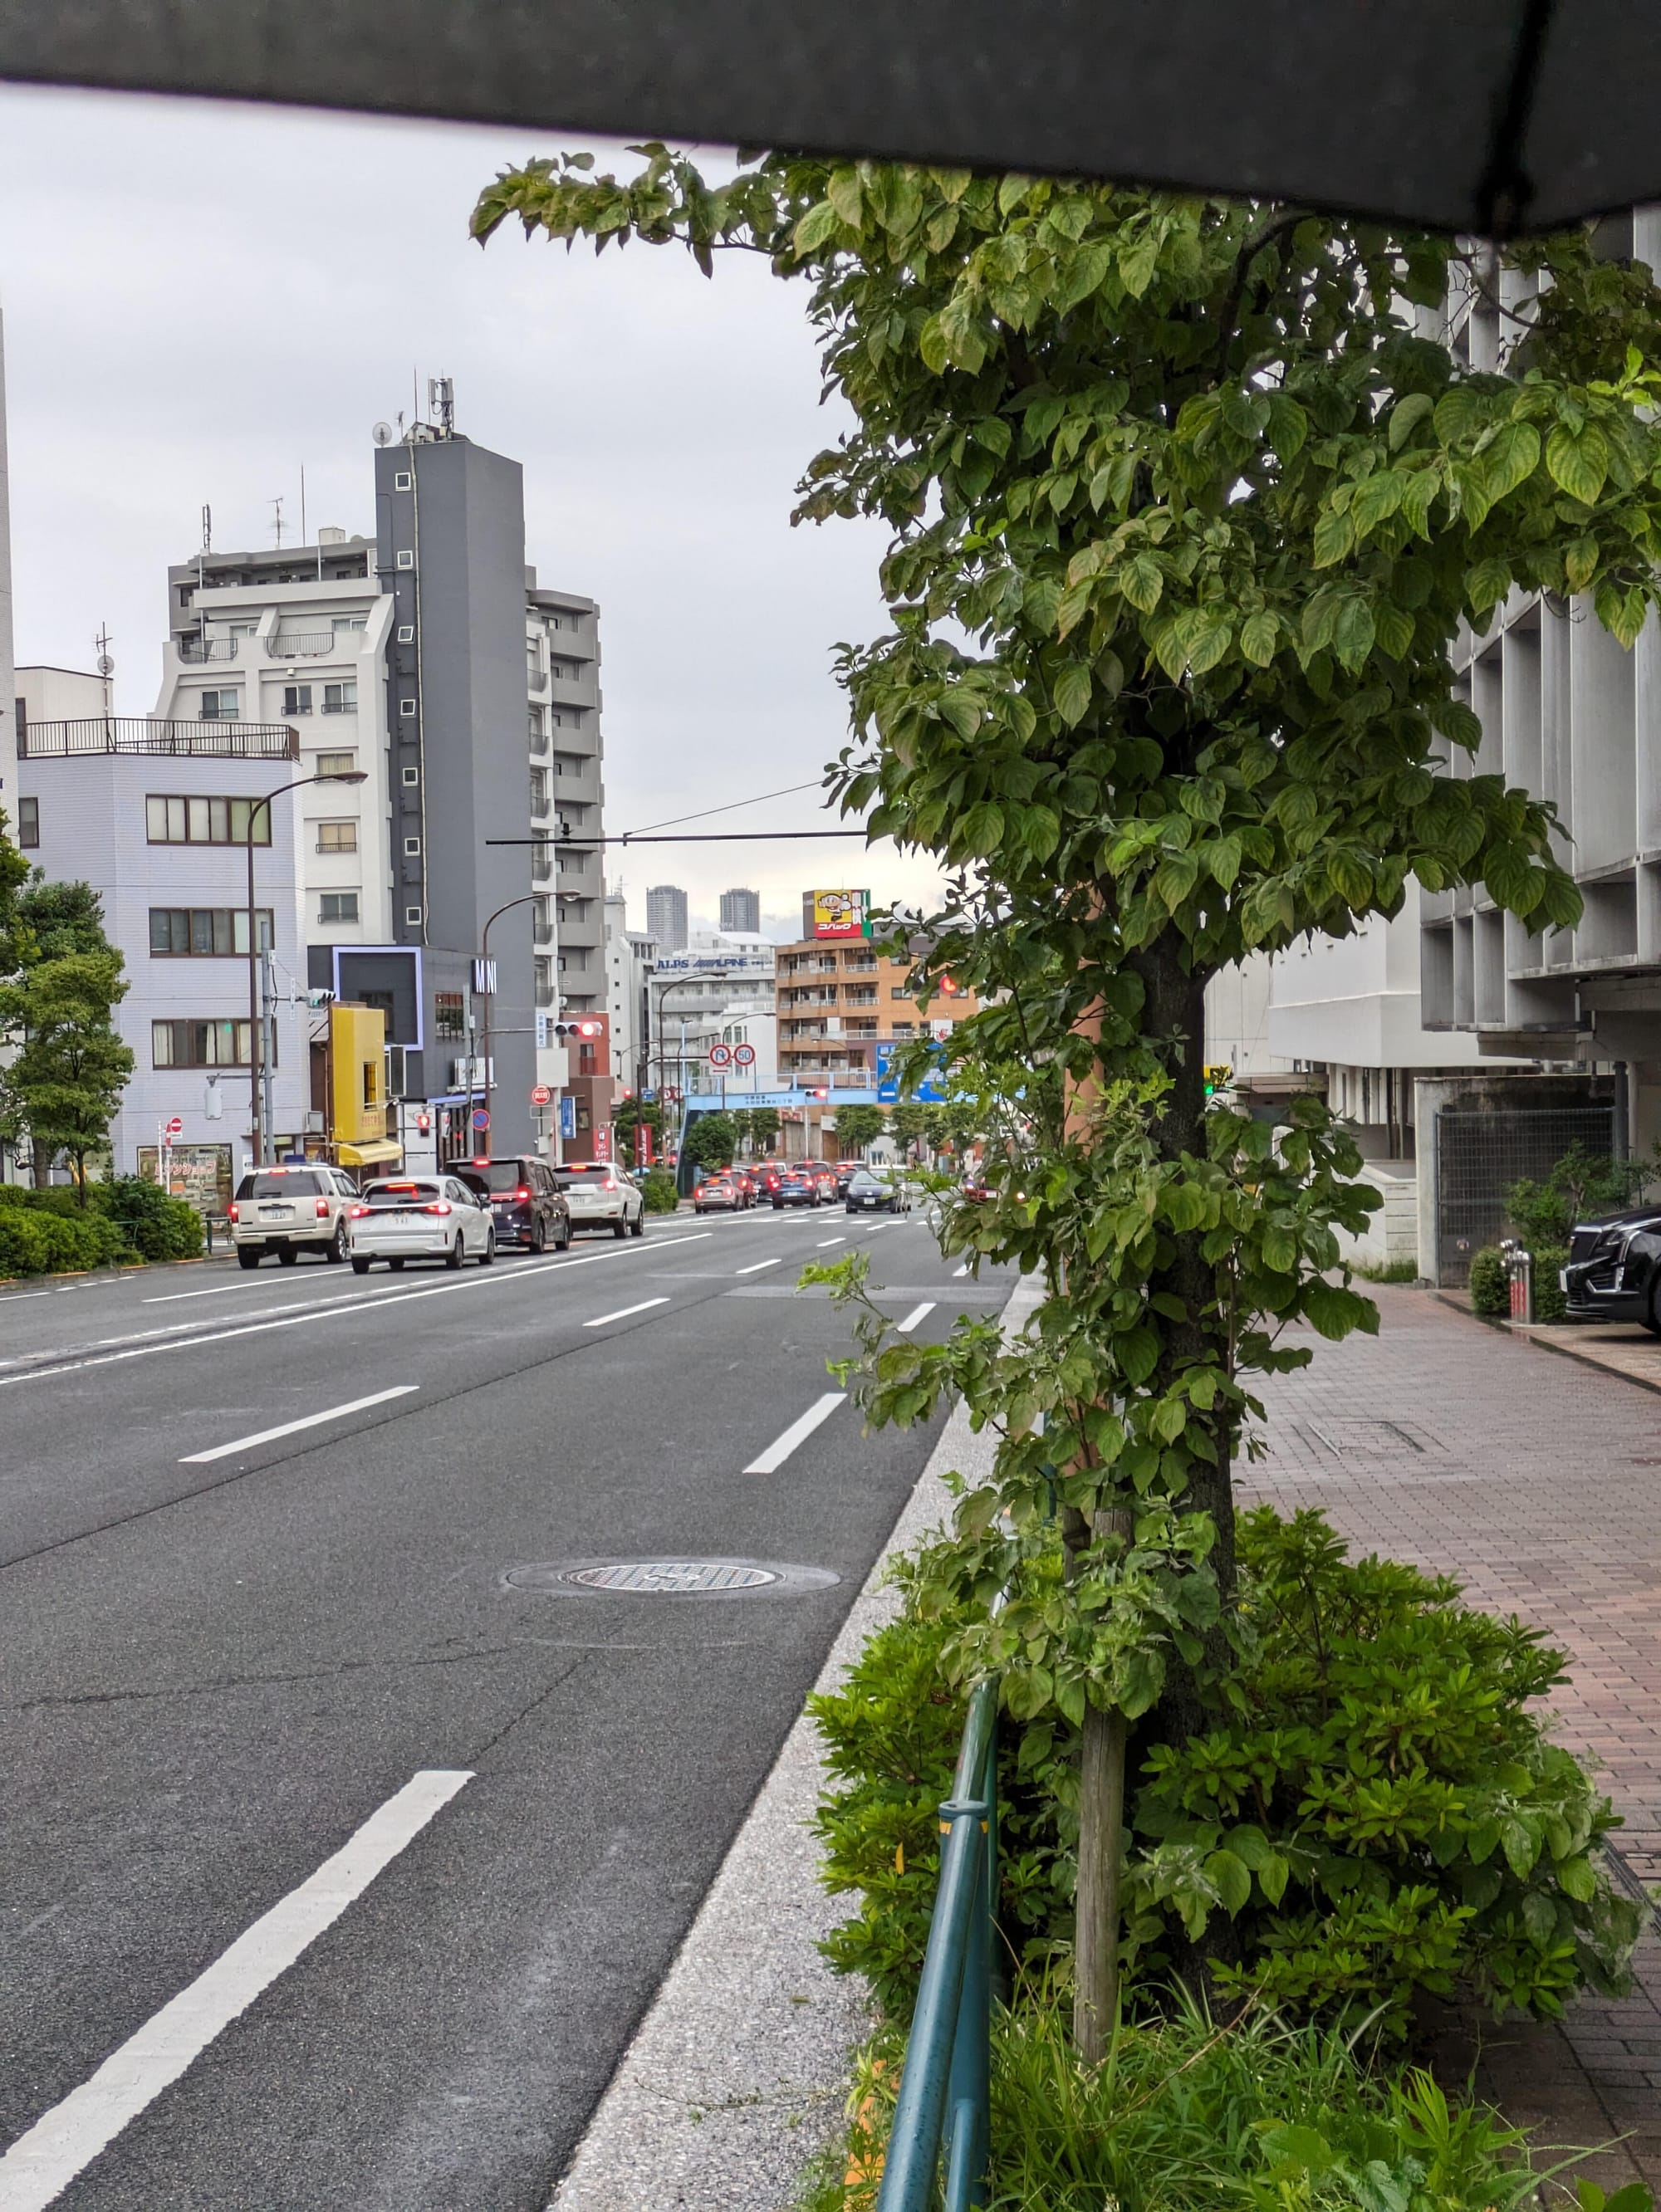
<point>520,1196</point>
<point>443,1207</point>
<point>322,1209</point>
<point>359,1213</point>
<point>231,1213</point>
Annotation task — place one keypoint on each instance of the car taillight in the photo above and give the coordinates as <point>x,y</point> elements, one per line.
<point>443,1207</point>
<point>322,1209</point>
<point>359,1212</point>
<point>521,1196</point>
<point>231,1213</point>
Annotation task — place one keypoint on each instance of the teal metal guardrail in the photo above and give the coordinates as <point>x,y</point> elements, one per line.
<point>944,2099</point>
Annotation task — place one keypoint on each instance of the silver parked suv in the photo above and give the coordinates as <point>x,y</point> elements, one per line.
<point>289,1210</point>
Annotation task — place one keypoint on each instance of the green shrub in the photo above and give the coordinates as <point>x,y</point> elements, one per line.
<point>1189,2115</point>
<point>153,1224</point>
<point>1581,1185</point>
<point>1490,1283</point>
<point>661,1195</point>
<point>23,1249</point>
<point>1388,1271</point>
<point>1383,1814</point>
<point>43,1240</point>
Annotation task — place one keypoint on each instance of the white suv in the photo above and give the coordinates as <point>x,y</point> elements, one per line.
<point>600,1196</point>
<point>289,1210</point>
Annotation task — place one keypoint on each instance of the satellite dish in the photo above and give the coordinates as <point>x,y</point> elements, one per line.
<point>105,666</point>
<point>382,433</point>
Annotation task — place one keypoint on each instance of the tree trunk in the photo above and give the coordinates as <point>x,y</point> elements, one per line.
<point>1097,1907</point>
<point>41,1163</point>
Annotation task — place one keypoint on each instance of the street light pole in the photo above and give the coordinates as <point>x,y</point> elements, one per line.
<point>256,1115</point>
<point>529,899</point>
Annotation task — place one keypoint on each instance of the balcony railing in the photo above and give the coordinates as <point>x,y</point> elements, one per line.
<point>305,645</point>
<point>198,649</point>
<point>138,733</point>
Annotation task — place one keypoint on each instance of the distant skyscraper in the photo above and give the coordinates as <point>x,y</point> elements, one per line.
<point>665,916</point>
<point>741,910</point>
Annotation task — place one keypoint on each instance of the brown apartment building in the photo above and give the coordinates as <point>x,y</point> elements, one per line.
<point>838,1000</point>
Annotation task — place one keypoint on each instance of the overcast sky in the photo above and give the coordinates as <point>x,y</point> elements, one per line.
<point>199,300</point>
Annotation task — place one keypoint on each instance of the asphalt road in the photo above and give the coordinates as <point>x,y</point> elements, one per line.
<point>217,1673</point>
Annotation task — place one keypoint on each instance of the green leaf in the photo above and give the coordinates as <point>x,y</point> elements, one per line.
<point>1580,562</point>
<point>1300,2148</point>
<point>1141,581</point>
<point>1334,534</point>
<point>1511,458</point>
<point>1353,634</point>
<point>1406,416</point>
<point>1232,1882</point>
<point>1578,461</point>
<point>1288,426</point>
<point>819,223</point>
<point>1575,1876</point>
<point>846,196</point>
<point>1395,627</point>
<point>1258,635</point>
<point>1071,692</point>
<point>1273,1877</point>
<point>1280,1250</point>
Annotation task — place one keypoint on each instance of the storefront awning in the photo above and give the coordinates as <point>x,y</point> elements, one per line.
<point>374,1154</point>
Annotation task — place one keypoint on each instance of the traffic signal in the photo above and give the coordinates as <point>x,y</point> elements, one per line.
<point>820,1093</point>
<point>1217,1079</point>
<point>585,1028</point>
<point>423,1125</point>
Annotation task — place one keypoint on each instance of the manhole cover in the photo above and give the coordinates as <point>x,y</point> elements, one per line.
<point>673,1578</point>
<point>666,1577</point>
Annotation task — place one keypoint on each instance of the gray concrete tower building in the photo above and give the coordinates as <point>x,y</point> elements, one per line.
<point>665,916</point>
<point>8,674</point>
<point>740,912</point>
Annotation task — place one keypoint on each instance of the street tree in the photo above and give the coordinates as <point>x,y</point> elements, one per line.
<point>908,1124</point>
<point>763,1127</point>
<point>711,1141</point>
<point>858,1129</point>
<point>1189,502</point>
<point>62,1083</point>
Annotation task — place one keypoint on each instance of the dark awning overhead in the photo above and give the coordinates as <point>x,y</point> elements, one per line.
<point>1456,114</point>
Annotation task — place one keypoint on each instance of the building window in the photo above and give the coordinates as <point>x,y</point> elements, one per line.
<point>406,560</point>
<point>449,1013</point>
<point>337,763</point>
<point>28,823</point>
<point>221,706</point>
<point>406,707</point>
<point>296,698</point>
<point>340,698</point>
<point>406,633</point>
<point>539,791</point>
<point>190,821</point>
<point>342,625</point>
<point>403,480</point>
<point>202,1044</point>
<point>337,836</point>
<point>411,847</point>
<point>412,776</point>
<point>412,917</point>
<point>556,718</point>
<point>337,906</point>
<point>206,931</point>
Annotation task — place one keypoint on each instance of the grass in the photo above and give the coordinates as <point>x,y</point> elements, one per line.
<point>1195,2114</point>
<point>1388,1271</point>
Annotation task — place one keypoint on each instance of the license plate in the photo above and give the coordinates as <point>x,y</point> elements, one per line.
<point>1563,1280</point>
<point>277,1213</point>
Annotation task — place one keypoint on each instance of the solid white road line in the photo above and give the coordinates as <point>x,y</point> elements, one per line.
<point>13,1298</point>
<point>963,1270</point>
<point>335,1310</point>
<point>797,1433</point>
<point>916,1314</point>
<point>756,1266</point>
<point>624,1312</point>
<point>828,1242</point>
<point>41,2163</point>
<point>293,1428</point>
<point>252,1283</point>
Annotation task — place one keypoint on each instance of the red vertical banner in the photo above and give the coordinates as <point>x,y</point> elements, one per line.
<point>642,1145</point>
<point>602,1140</point>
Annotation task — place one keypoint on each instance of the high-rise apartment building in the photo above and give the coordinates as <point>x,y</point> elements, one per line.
<point>666,917</point>
<point>8,683</point>
<point>740,910</point>
<point>429,657</point>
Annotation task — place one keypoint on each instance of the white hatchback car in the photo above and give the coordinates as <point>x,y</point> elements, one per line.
<point>600,1196</point>
<point>421,1218</point>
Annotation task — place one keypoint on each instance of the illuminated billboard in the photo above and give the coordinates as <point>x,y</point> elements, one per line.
<point>837,913</point>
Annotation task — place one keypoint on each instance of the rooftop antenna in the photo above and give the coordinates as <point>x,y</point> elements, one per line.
<point>276,510</point>
<point>104,666</point>
<point>441,403</point>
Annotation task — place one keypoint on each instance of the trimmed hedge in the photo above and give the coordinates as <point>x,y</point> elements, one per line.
<point>45,1232</point>
<point>1490,1286</point>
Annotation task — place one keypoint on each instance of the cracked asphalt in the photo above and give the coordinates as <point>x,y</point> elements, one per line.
<point>211,1675</point>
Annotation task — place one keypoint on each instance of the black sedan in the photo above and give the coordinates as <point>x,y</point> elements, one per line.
<point>873,1193</point>
<point>1613,1272</point>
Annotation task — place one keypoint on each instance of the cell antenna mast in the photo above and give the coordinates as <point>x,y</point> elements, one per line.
<point>207,529</point>
<point>277,510</point>
<point>442,404</point>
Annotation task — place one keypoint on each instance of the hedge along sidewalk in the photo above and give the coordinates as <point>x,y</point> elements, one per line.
<point>740,2072</point>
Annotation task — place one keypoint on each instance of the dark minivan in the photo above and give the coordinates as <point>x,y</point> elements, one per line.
<point>526,1205</point>
<point>1615,1269</point>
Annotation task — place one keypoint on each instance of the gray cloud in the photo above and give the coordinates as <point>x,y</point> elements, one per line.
<point>200,300</point>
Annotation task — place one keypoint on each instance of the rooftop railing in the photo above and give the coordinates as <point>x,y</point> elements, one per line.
<point>196,649</point>
<point>138,733</point>
<point>308,645</point>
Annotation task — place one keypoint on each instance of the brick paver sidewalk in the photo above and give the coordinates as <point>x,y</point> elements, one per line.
<point>1536,1481</point>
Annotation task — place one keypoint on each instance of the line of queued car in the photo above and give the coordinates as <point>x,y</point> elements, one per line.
<point>469,1210</point>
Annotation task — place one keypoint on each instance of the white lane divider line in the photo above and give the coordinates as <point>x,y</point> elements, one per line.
<point>624,1312</point>
<point>826,1243</point>
<point>293,1428</point>
<point>798,1433</point>
<point>41,2163</point>
<point>252,1283</point>
<point>963,1270</point>
<point>916,1314</point>
<point>16,1298</point>
<point>756,1266</point>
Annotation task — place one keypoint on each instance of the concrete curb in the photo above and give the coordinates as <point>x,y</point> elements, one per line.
<point>738,2073</point>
